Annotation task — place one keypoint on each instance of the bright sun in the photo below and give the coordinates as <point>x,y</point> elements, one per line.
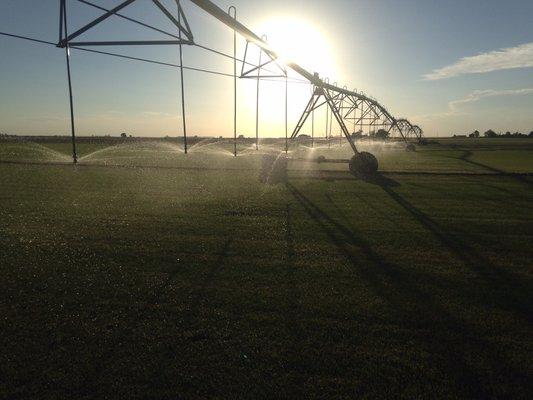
<point>299,41</point>
<point>295,40</point>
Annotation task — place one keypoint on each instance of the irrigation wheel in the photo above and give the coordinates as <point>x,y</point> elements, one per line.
<point>363,163</point>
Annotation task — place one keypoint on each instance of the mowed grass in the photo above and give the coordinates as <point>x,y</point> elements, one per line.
<point>144,282</point>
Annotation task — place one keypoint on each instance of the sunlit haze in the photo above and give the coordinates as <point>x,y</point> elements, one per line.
<point>302,42</point>
<point>468,69</point>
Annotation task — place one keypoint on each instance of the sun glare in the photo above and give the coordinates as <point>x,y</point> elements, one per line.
<point>294,40</point>
<point>299,41</point>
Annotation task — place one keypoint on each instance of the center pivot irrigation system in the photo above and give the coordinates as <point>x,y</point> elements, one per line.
<point>346,106</point>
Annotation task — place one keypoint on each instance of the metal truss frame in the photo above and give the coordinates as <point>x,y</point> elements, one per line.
<point>343,104</point>
<point>333,95</point>
<point>404,126</point>
<point>260,66</point>
<point>68,39</point>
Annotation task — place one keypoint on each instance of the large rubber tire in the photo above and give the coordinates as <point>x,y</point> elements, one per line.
<point>364,164</point>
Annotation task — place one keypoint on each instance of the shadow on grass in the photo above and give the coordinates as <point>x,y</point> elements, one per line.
<point>198,296</point>
<point>293,310</point>
<point>447,338</point>
<point>190,321</point>
<point>467,154</point>
<point>514,293</point>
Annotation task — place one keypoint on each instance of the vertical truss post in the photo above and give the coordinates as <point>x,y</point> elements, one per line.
<point>64,29</point>
<point>330,125</point>
<point>257,105</point>
<point>341,110</point>
<point>327,124</point>
<point>361,118</point>
<point>313,123</point>
<point>330,134</point>
<point>371,123</point>
<point>257,97</point>
<point>182,83</point>
<point>327,116</point>
<point>354,112</point>
<point>232,8</point>
<point>286,112</point>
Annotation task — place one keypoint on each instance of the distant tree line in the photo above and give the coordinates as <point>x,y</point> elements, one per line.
<point>491,134</point>
<point>380,134</point>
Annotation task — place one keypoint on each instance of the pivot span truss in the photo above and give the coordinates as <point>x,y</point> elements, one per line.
<point>342,102</point>
<point>351,109</point>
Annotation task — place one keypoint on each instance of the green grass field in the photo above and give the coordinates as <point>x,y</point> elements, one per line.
<point>146,273</point>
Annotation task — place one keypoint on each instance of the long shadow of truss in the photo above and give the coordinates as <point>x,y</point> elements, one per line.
<point>466,157</point>
<point>515,297</point>
<point>400,290</point>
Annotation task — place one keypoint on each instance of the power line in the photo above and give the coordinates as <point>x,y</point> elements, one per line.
<point>116,55</point>
<point>164,63</point>
<point>27,38</point>
<point>149,61</point>
<point>166,33</point>
<point>135,58</point>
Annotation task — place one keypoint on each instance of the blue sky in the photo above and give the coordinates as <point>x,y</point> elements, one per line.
<point>449,66</point>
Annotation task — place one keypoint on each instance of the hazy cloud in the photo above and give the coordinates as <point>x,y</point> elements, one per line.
<point>509,58</point>
<point>477,95</point>
<point>157,114</point>
<point>454,106</point>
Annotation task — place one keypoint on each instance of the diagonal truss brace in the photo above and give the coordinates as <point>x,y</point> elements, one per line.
<point>333,102</point>
<point>271,60</point>
<point>68,40</point>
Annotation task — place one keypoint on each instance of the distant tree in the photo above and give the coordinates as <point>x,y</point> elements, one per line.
<point>507,134</point>
<point>490,134</point>
<point>358,134</point>
<point>381,134</point>
<point>241,137</point>
<point>124,135</point>
<point>474,134</point>
<point>531,134</point>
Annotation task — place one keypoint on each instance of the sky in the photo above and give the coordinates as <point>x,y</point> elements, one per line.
<point>449,66</point>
